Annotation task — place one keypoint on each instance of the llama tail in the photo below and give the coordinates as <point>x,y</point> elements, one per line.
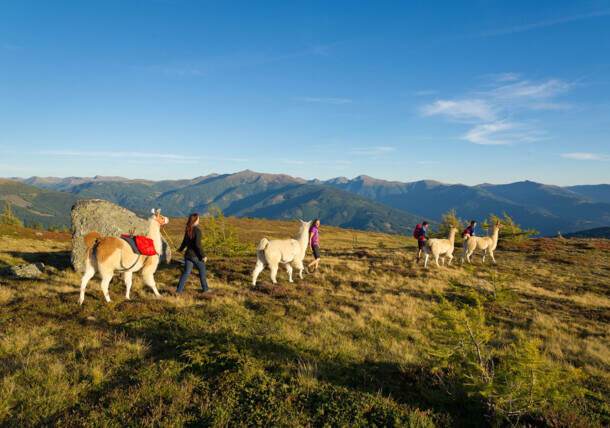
<point>262,245</point>
<point>91,239</point>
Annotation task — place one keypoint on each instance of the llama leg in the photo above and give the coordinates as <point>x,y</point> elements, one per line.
<point>450,257</point>
<point>289,270</point>
<point>273,269</point>
<point>128,278</point>
<point>426,257</point>
<point>89,272</point>
<point>106,278</point>
<point>436,261</point>
<point>484,254</point>
<point>300,267</point>
<point>149,280</point>
<point>491,254</point>
<point>257,270</point>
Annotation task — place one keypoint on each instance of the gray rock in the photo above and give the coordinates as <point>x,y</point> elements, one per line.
<point>108,219</point>
<point>26,271</point>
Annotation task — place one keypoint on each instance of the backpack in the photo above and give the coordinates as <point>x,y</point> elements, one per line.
<point>417,231</point>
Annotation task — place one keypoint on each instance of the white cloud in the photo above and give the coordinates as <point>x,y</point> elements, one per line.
<point>372,151</point>
<point>466,109</point>
<point>502,133</point>
<point>507,77</point>
<point>498,111</point>
<point>545,23</point>
<point>425,92</point>
<point>328,100</point>
<point>138,156</point>
<point>585,156</point>
<point>525,89</point>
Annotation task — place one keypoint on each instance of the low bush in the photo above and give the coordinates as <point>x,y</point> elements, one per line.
<point>511,381</point>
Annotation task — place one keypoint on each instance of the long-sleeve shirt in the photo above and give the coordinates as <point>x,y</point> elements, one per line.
<point>192,245</point>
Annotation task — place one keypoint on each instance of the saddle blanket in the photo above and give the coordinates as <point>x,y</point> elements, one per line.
<point>142,245</point>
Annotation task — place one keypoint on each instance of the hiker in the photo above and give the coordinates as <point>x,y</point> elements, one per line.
<point>314,243</point>
<point>469,231</point>
<point>193,255</point>
<point>419,233</point>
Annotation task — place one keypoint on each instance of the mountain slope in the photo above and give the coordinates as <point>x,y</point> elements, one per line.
<point>36,206</point>
<point>533,205</point>
<point>596,192</point>
<point>598,232</point>
<point>245,193</point>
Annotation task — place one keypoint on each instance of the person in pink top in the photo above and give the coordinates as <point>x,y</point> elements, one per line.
<point>314,244</point>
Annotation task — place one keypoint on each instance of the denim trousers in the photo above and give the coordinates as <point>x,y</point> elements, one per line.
<point>188,267</point>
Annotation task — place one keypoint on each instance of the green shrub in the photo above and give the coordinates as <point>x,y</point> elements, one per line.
<point>448,220</point>
<point>220,238</point>
<point>509,230</point>
<point>8,217</point>
<point>511,381</point>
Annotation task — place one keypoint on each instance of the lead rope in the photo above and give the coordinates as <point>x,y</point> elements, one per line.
<point>169,240</point>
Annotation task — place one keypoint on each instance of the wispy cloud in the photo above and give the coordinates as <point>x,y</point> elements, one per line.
<point>234,61</point>
<point>498,112</point>
<point>465,109</point>
<point>586,156</point>
<point>502,133</point>
<point>137,156</point>
<point>425,92</point>
<point>524,89</point>
<point>372,151</point>
<point>544,23</point>
<point>325,100</point>
<point>428,162</point>
<point>505,77</point>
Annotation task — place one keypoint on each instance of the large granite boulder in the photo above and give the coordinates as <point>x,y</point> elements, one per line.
<point>109,220</point>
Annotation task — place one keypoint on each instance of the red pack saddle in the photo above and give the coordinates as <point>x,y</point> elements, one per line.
<point>141,244</point>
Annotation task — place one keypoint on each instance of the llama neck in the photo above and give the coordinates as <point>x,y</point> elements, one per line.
<point>452,237</point>
<point>154,233</point>
<point>494,236</point>
<point>303,239</point>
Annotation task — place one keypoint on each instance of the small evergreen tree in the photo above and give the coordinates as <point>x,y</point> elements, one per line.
<point>511,380</point>
<point>8,217</point>
<point>448,220</point>
<point>509,230</point>
<point>220,238</point>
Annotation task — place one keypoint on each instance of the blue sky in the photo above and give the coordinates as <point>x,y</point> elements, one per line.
<point>473,92</point>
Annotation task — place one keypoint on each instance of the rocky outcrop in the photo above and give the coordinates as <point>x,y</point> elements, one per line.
<point>109,220</point>
<point>26,271</point>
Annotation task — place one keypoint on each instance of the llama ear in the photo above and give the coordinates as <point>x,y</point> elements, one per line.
<point>152,211</point>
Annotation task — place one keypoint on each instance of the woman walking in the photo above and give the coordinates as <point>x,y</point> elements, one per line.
<point>194,255</point>
<point>314,243</point>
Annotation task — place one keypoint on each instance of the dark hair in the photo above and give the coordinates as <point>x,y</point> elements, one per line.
<point>190,225</point>
<point>313,223</point>
<point>425,223</point>
<point>473,221</point>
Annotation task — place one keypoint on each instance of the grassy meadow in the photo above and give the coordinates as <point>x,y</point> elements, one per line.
<point>369,340</point>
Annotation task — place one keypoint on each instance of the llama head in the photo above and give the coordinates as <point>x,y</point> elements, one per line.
<point>156,215</point>
<point>305,225</point>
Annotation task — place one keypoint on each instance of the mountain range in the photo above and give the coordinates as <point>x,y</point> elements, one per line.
<point>361,203</point>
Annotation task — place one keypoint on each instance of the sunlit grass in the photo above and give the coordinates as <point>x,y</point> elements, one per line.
<point>345,346</point>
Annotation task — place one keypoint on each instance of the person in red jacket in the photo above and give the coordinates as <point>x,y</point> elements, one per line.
<point>419,233</point>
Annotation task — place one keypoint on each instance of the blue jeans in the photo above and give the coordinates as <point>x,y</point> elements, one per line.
<point>188,267</point>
